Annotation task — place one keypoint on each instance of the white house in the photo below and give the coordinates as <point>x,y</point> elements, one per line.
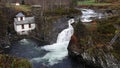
<point>17,4</point>
<point>22,24</point>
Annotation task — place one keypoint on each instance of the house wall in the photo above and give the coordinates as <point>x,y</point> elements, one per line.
<point>15,27</point>
<point>23,18</point>
<point>19,18</point>
<point>18,28</point>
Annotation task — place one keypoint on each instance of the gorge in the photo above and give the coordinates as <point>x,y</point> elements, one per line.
<point>56,54</point>
<point>47,55</point>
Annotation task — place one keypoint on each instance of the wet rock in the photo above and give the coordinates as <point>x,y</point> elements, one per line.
<point>4,45</point>
<point>82,49</point>
<point>76,51</point>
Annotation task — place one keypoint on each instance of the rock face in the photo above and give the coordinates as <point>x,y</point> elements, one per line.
<point>4,40</point>
<point>83,49</point>
<point>47,29</point>
<point>4,45</point>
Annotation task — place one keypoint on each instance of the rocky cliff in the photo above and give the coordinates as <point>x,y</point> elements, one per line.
<point>90,44</point>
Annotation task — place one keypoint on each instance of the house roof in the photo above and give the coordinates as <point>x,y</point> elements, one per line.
<point>28,20</point>
<point>20,15</point>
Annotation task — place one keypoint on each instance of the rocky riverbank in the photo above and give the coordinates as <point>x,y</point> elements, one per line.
<point>90,44</point>
<point>7,61</point>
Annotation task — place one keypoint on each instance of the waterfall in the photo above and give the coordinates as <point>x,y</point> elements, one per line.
<point>88,15</point>
<point>57,51</point>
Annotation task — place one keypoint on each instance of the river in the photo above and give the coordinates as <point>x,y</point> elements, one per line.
<point>89,15</point>
<point>54,55</point>
<point>49,56</point>
<point>29,49</point>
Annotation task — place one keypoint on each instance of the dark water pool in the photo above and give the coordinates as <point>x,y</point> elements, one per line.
<point>27,48</point>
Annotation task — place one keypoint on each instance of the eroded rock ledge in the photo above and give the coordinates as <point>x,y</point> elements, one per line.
<point>90,47</point>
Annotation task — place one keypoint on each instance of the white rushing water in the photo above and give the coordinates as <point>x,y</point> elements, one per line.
<point>57,51</point>
<point>89,14</point>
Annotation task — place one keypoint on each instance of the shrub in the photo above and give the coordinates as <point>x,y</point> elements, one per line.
<point>7,61</point>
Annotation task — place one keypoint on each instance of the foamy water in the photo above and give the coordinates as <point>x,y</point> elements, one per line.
<point>89,14</point>
<point>57,51</point>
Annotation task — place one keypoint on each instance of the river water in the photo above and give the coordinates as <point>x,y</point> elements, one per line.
<point>48,56</point>
<point>54,55</point>
<point>89,15</point>
<point>29,49</point>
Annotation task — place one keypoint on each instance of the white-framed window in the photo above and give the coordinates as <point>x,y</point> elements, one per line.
<point>22,26</point>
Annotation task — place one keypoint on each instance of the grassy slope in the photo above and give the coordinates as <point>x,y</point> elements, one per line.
<point>24,8</point>
<point>92,2</point>
<point>105,32</point>
<point>7,61</point>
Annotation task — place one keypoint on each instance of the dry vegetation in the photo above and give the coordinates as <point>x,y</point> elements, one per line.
<point>7,61</point>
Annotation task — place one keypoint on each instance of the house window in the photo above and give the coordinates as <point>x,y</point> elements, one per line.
<point>22,26</point>
<point>21,18</point>
<point>29,25</point>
